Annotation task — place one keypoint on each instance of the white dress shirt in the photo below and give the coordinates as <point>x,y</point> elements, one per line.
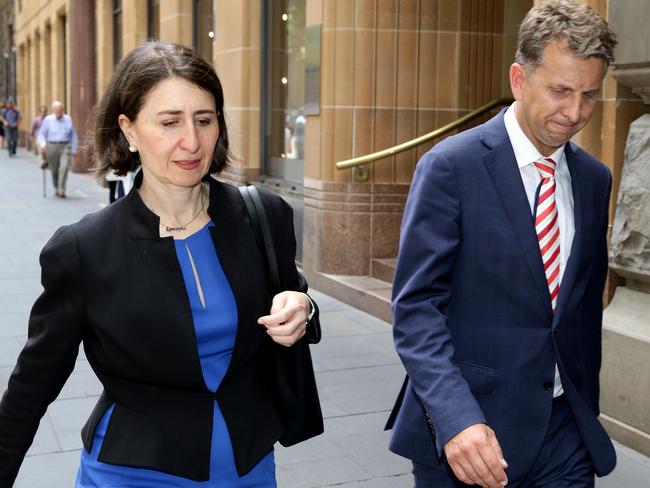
<point>526,154</point>
<point>54,129</point>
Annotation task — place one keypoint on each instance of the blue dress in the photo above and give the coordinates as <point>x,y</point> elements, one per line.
<point>215,321</point>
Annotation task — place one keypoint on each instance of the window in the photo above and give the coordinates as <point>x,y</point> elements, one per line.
<point>285,89</point>
<point>283,103</point>
<point>153,19</point>
<point>203,29</point>
<point>63,52</point>
<point>117,31</point>
<point>37,64</point>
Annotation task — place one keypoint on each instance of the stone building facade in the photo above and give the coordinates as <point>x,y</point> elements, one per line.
<point>308,83</point>
<point>7,50</point>
<point>625,376</point>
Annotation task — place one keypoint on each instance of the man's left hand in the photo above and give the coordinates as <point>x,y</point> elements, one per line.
<point>287,320</point>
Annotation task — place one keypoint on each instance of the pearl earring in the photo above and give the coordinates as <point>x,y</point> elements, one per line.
<point>132,148</point>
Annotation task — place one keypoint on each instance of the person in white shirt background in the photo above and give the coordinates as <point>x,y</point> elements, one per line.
<point>57,138</point>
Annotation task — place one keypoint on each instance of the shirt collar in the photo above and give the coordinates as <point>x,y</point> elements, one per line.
<point>525,152</point>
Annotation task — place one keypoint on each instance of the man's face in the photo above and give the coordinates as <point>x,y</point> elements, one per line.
<point>557,98</point>
<point>10,105</point>
<point>57,110</point>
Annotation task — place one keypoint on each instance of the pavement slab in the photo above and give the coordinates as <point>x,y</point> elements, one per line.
<point>357,370</point>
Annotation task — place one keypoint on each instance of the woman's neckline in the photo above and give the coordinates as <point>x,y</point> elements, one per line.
<point>196,232</point>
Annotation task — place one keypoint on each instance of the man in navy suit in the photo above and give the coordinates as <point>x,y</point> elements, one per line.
<point>497,297</point>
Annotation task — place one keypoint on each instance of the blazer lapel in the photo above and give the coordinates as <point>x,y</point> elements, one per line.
<point>170,312</point>
<point>502,167</point>
<point>241,262</point>
<point>569,277</point>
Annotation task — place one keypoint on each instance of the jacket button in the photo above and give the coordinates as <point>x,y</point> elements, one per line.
<point>548,384</point>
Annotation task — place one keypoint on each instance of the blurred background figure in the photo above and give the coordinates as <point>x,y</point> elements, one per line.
<point>58,139</point>
<point>11,121</point>
<point>36,126</point>
<point>118,186</point>
<point>2,126</point>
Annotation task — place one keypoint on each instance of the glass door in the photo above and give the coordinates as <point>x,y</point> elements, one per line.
<point>283,102</point>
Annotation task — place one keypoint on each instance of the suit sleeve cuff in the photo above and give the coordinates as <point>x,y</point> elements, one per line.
<point>446,430</point>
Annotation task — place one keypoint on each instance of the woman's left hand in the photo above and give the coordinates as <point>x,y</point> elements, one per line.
<point>287,320</point>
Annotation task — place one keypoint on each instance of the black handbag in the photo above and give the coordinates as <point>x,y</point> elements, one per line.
<point>290,368</point>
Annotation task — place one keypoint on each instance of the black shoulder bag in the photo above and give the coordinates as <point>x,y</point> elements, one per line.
<point>260,221</point>
<point>292,375</point>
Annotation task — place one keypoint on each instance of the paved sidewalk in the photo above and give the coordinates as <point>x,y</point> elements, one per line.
<point>358,372</point>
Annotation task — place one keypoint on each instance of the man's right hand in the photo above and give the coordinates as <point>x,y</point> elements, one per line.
<point>476,458</point>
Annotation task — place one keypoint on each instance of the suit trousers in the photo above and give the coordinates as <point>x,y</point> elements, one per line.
<point>58,158</point>
<point>563,461</point>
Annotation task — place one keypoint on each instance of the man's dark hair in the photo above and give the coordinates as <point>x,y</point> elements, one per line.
<point>584,32</point>
<point>134,77</point>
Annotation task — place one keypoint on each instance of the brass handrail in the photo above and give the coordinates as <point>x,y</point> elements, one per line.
<point>405,146</point>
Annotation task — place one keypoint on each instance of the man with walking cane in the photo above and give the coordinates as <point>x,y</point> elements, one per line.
<point>58,139</point>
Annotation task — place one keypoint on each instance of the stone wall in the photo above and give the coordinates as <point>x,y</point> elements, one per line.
<point>7,49</point>
<point>625,376</point>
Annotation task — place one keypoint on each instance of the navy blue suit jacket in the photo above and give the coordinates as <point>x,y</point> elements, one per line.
<point>473,322</point>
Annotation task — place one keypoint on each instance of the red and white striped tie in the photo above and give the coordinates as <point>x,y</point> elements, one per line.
<point>547,226</point>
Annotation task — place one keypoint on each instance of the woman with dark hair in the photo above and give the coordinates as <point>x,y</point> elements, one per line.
<point>204,367</point>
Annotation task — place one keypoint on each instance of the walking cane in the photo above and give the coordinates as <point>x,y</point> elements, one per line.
<point>41,156</point>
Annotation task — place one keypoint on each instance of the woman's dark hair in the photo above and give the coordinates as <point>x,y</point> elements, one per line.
<point>134,77</point>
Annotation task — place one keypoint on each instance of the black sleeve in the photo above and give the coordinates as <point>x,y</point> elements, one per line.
<point>48,358</point>
<point>284,237</point>
<point>292,379</point>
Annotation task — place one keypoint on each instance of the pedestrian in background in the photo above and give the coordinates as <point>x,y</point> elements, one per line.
<point>118,186</point>
<point>57,138</point>
<point>204,365</point>
<point>498,291</point>
<point>2,125</point>
<point>36,126</point>
<point>11,121</point>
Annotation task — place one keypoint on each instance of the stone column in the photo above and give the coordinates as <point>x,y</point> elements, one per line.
<point>104,39</point>
<point>58,67</point>
<point>22,75</point>
<point>625,376</point>
<point>176,21</point>
<point>82,71</point>
<point>44,63</point>
<point>36,60</point>
<point>28,112</point>
<point>236,59</point>
<point>134,21</point>
<point>29,92</point>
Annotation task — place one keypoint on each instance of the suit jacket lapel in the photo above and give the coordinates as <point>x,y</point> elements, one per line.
<point>569,277</point>
<point>506,177</point>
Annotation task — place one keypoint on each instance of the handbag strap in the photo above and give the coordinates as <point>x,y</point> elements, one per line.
<point>260,221</point>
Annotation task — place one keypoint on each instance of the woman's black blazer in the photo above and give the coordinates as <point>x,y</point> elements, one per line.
<point>113,283</point>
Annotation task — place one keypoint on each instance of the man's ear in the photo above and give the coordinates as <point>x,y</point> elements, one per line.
<point>518,79</point>
<point>127,127</point>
